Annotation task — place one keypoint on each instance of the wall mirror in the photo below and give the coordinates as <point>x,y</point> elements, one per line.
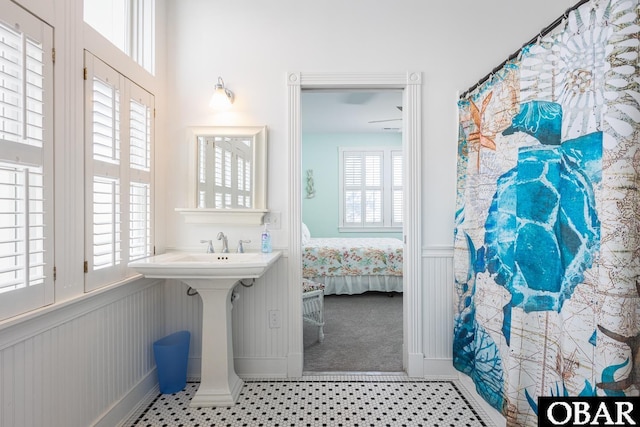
<point>227,175</point>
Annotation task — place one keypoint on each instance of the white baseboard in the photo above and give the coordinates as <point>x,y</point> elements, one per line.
<point>247,367</point>
<point>261,367</point>
<point>295,365</point>
<point>120,411</point>
<point>194,367</point>
<point>415,365</point>
<point>439,369</point>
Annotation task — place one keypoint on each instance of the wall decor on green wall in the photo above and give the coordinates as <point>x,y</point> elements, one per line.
<point>546,240</point>
<point>310,186</point>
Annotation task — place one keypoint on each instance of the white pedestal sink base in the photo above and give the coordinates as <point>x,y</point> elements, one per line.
<point>207,398</point>
<point>219,383</point>
<point>214,276</point>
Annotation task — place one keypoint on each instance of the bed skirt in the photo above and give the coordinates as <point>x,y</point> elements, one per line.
<point>351,285</point>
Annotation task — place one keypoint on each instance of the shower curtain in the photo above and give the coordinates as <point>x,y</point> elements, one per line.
<point>547,237</point>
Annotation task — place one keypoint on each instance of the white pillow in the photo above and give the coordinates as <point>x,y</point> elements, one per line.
<point>306,234</point>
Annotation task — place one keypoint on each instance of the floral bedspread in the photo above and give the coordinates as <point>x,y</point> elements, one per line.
<point>352,257</point>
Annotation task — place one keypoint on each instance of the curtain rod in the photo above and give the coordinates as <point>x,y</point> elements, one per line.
<point>546,30</point>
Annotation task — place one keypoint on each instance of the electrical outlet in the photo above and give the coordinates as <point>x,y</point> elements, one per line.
<point>274,319</point>
<point>273,219</point>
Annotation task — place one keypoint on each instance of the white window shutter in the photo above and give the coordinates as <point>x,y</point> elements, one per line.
<point>352,180</point>
<point>26,162</point>
<point>140,186</point>
<point>103,169</point>
<point>396,189</point>
<point>371,188</point>
<point>118,167</point>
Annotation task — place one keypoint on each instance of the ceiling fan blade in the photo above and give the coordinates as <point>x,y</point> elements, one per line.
<point>381,121</point>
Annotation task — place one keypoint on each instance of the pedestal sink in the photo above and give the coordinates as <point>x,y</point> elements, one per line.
<point>214,276</point>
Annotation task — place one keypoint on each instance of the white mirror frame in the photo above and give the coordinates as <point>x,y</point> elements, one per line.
<point>254,216</point>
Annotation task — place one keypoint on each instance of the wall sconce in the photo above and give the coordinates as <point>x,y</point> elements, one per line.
<point>222,97</point>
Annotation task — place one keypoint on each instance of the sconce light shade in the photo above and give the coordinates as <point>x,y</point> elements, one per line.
<point>222,97</point>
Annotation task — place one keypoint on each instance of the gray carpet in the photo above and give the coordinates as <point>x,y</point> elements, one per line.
<point>363,333</point>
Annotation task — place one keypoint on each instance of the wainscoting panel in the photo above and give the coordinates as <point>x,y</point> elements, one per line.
<point>79,364</point>
<point>184,312</point>
<point>254,342</point>
<point>437,272</point>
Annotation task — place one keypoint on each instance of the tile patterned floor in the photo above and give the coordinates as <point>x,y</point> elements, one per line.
<point>320,401</point>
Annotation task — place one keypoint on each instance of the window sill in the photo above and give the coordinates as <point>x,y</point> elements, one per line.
<point>370,229</point>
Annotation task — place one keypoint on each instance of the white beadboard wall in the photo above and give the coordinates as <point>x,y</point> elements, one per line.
<point>83,364</point>
<point>438,305</point>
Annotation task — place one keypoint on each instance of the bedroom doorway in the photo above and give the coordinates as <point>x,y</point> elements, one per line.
<point>352,209</point>
<point>409,83</point>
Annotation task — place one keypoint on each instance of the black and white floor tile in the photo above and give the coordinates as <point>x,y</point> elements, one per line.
<point>320,401</point>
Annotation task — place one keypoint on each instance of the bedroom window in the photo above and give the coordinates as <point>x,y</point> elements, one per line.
<point>119,143</point>
<point>371,189</point>
<point>26,162</point>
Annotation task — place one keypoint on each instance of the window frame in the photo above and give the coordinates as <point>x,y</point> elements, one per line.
<point>138,24</point>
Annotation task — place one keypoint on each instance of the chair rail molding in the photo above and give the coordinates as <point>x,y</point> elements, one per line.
<point>411,84</point>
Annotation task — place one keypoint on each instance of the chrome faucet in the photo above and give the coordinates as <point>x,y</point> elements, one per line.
<point>240,249</point>
<point>225,242</point>
<point>209,246</point>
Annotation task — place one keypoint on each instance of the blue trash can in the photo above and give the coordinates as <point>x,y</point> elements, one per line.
<point>172,354</point>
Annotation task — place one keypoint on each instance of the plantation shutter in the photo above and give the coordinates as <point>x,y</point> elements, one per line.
<point>396,189</point>
<point>373,176</point>
<point>119,136</point>
<point>104,190</point>
<point>371,188</point>
<point>26,162</point>
<point>362,188</point>
<point>141,135</point>
<point>352,194</point>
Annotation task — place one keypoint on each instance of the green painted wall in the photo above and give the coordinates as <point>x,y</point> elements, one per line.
<point>320,154</point>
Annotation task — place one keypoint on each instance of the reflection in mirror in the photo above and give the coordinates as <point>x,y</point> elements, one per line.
<point>227,174</point>
<point>228,184</point>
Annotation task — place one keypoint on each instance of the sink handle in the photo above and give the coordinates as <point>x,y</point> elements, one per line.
<point>209,246</point>
<point>240,249</point>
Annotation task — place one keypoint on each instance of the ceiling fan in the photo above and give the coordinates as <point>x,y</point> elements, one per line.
<point>399,107</point>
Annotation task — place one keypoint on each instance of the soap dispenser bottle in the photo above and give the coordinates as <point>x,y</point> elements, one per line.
<point>266,240</point>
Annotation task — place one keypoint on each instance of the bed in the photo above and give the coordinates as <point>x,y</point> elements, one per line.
<point>353,265</point>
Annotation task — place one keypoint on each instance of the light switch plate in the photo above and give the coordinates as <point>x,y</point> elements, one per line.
<point>273,219</point>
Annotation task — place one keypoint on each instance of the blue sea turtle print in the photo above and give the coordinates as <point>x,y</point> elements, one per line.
<point>542,229</point>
